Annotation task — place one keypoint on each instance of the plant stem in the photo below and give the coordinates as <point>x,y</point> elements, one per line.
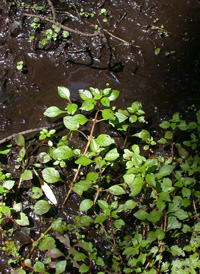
<point>85,151</point>
<point>38,240</point>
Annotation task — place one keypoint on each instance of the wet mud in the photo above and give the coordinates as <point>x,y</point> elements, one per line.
<point>167,80</point>
<point>160,69</point>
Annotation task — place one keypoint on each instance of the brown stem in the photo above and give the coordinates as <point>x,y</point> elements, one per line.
<point>112,231</point>
<point>38,240</point>
<point>52,10</point>
<point>127,135</point>
<point>86,149</point>
<point>172,149</point>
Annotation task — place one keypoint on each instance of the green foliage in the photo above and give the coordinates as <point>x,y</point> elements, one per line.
<point>133,204</point>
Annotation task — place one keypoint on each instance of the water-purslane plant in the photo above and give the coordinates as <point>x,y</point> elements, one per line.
<point>138,208</point>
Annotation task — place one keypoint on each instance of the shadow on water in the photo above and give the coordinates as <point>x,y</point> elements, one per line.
<point>168,81</point>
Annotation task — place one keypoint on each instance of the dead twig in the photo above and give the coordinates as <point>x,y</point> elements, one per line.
<point>29,131</point>
<point>52,10</point>
<point>120,39</point>
<point>96,33</point>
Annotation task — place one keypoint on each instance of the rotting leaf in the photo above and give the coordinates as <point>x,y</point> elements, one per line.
<point>36,193</point>
<point>54,253</point>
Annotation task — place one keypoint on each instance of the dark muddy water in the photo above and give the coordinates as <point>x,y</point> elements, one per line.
<point>169,83</point>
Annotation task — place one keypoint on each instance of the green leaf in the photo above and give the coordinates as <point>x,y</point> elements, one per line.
<point>88,104</point>
<point>65,34</point>
<point>47,243</point>
<point>100,219</point>
<point>133,118</point>
<point>39,267</point>
<point>81,186</point>
<point>85,94</point>
<point>173,223</point>
<point>73,122</point>
<point>150,179</point>
<point>162,141</point>
<point>8,184</point>
<point>135,107</point>
<point>36,192</point>
<point>80,119</point>
<point>84,268</point>
<point>53,112</point>
<point>143,134</point>
<point>165,171</point>
<point>62,153</point>
<point>167,185</point>
<point>80,256</point>
<point>92,176</point>
<point>113,95</point>
<point>41,207</point>
<point>105,102</point>
<point>23,221</point>
<point>71,108</point>
<point>136,186</point>
<point>121,116</point>
<point>94,146</point>
<point>69,123</point>
<point>141,215</point>
<point>104,140</point>
<point>157,51</point>
<point>85,220</point>
<point>154,216</point>
<point>165,125</point>
<point>119,223</point>
<point>100,261</point>
<point>51,175</point>
<point>168,135</point>
<point>5,149</point>
<point>64,93</point>
<point>116,190</point>
<point>19,140</point>
<point>85,205</point>
<point>59,225</point>
<point>177,251</point>
<point>103,204</point>
<point>84,161</point>
<point>107,114</point>
<point>181,214</point>
<point>112,155</point>
<point>27,175</point>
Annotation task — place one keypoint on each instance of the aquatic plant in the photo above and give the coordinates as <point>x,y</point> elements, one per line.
<point>138,197</point>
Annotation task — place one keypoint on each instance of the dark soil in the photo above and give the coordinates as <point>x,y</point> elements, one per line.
<point>169,83</point>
